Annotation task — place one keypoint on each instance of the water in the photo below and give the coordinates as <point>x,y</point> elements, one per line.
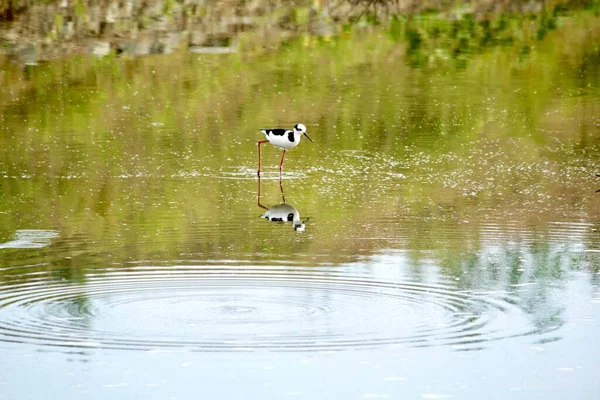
<point>446,241</point>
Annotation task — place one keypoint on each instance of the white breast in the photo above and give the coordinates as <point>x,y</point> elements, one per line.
<point>282,213</point>
<point>283,141</point>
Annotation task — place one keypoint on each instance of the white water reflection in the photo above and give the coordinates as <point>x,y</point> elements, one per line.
<point>30,239</point>
<point>376,327</point>
<point>385,301</point>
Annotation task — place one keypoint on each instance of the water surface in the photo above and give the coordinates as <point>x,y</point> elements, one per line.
<point>449,244</point>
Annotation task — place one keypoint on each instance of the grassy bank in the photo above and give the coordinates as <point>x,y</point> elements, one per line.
<point>39,30</point>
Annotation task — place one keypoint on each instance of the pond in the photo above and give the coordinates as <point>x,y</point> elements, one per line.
<point>439,238</point>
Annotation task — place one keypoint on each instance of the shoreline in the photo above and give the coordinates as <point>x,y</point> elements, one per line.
<point>42,32</point>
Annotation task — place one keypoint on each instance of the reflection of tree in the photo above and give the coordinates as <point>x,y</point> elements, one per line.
<point>533,275</point>
<point>79,311</point>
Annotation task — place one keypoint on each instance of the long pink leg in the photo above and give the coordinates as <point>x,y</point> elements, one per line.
<point>281,187</point>
<point>259,143</point>
<point>281,163</point>
<point>258,195</point>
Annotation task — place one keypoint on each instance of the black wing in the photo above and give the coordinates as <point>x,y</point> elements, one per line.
<point>275,132</point>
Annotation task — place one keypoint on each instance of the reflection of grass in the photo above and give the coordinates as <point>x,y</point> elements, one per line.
<point>435,37</point>
<point>80,128</point>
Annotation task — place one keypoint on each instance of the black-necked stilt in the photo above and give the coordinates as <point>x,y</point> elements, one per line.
<point>285,213</point>
<point>282,212</point>
<point>284,139</point>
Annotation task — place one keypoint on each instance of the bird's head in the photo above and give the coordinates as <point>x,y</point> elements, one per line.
<point>300,226</point>
<point>300,129</point>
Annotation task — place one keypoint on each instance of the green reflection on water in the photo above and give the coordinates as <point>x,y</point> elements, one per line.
<point>133,158</point>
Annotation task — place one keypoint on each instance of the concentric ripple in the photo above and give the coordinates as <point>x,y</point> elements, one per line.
<point>241,309</point>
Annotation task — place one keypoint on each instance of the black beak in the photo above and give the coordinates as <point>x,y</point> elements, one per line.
<point>307,137</point>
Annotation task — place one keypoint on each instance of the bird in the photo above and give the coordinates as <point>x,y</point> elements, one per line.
<point>284,139</point>
<point>282,212</point>
<point>285,213</point>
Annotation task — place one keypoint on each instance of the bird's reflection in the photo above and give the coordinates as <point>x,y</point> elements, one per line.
<point>282,212</point>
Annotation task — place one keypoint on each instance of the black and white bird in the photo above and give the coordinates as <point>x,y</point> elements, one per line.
<point>285,213</point>
<point>284,139</point>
